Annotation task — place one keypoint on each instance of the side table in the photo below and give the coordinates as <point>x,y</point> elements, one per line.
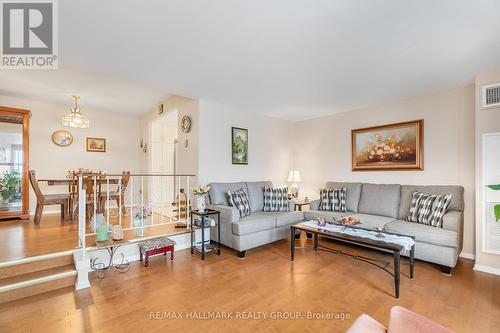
<point>202,227</point>
<point>299,205</point>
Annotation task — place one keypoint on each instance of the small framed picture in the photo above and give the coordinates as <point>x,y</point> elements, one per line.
<point>62,138</point>
<point>239,143</point>
<point>97,145</point>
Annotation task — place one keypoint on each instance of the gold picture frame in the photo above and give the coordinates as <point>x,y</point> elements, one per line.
<point>96,145</point>
<point>395,147</point>
<point>62,138</point>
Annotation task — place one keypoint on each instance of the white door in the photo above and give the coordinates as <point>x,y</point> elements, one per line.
<point>163,160</point>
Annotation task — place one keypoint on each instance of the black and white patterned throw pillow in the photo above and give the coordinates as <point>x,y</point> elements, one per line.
<point>428,208</point>
<point>239,199</point>
<point>276,199</point>
<point>333,200</point>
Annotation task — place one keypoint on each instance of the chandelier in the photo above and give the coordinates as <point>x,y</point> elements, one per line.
<point>76,117</point>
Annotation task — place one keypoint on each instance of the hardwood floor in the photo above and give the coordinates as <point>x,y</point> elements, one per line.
<point>24,238</point>
<point>265,281</point>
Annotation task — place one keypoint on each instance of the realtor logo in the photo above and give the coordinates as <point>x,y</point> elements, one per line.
<point>29,34</point>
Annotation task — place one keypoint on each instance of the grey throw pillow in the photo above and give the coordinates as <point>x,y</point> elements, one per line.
<point>428,208</point>
<point>239,199</point>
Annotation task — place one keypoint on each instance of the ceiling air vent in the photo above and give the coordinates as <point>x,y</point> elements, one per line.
<point>491,95</point>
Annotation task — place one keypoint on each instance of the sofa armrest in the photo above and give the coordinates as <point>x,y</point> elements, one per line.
<point>453,220</point>
<point>227,214</point>
<point>314,205</point>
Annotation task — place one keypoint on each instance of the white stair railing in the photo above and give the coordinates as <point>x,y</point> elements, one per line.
<point>148,205</point>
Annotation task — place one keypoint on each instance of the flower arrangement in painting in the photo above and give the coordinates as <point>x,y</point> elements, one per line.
<point>201,190</point>
<point>390,148</point>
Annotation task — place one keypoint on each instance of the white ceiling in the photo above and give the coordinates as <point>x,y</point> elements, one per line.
<point>97,91</point>
<point>288,58</point>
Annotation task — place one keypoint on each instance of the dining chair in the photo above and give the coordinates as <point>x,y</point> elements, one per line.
<point>117,194</point>
<point>90,181</point>
<point>43,200</point>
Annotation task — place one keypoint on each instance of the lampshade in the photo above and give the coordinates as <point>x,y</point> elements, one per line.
<point>294,176</point>
<point>76,117</point>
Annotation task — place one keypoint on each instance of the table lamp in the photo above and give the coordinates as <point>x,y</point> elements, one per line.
<point>294,178</point>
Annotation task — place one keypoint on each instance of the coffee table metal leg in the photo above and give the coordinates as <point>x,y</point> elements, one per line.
<point>292,243</point>
<point>397,260</point>
<point>412,260</point>
<point>315,241</point>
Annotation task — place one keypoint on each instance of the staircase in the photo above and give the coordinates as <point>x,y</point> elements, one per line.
<point>36,275</point>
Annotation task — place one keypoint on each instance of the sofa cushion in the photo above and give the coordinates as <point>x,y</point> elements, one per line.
<point>366,324</point>
<point>428,208</point>
<point>373,221</point>
<point>256,194</point>
<point>218,192</point>
<point>328,216</point>
<point>254,222</point>
<point>287,218</point>
<point>333,200</point>
<point>380,199</point>
<point>353,192</point>
<point>424,233</point>
<point>276,199</point>
<point>457,198</point>
<point>239,199</point>
<point>403,320</point>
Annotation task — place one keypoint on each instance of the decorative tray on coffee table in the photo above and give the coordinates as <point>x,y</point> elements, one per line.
<point>347,221</point>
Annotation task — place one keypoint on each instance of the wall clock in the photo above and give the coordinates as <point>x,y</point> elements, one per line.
<point>186,124</point>
<point>62,138</point>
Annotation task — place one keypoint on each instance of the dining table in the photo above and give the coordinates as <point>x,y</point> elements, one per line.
<point>66,181</point>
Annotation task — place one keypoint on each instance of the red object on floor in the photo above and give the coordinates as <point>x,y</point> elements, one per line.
<point>156,246</point>
<point>401,321</point>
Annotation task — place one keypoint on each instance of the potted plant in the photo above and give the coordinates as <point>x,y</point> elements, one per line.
<point>201,192</point>
<point>9,185</point>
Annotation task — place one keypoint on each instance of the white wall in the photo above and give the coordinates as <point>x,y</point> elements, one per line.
<point>50,161</point>
<point>323,146</point>
<point>269,148</point>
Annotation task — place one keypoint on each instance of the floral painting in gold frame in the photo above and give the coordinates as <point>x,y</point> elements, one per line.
<point>390,147</point>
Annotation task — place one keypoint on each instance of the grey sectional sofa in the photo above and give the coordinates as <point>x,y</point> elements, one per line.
<point>377,205</point>
<point>387,205</point>
<point>259,228</point>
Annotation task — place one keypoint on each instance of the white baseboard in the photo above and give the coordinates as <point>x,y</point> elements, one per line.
<point>487,269</point>
<point>466,255</point>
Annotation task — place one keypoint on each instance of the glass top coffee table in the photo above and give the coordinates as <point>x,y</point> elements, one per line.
<point>378,240</point>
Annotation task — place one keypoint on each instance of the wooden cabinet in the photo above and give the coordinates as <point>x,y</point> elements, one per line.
<point>14,163</point>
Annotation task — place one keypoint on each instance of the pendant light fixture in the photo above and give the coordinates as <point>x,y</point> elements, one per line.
<point>76,117</point>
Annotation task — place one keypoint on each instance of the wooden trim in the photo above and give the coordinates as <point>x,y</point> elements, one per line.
<point>419,165</point>
<point>26,114</point>
<point>94,151</point>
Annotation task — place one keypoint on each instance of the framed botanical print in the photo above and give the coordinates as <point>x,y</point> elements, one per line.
<point>389,147</point>
<point>96,145</point>
<point>239,143</point>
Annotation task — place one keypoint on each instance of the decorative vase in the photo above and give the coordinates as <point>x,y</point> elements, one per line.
<point>117,232</point>
<point>201,203</point>
<point>139,226</point>
<point>102,228</point>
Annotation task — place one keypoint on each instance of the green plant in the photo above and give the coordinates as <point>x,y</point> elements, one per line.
<point>9,184</point>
